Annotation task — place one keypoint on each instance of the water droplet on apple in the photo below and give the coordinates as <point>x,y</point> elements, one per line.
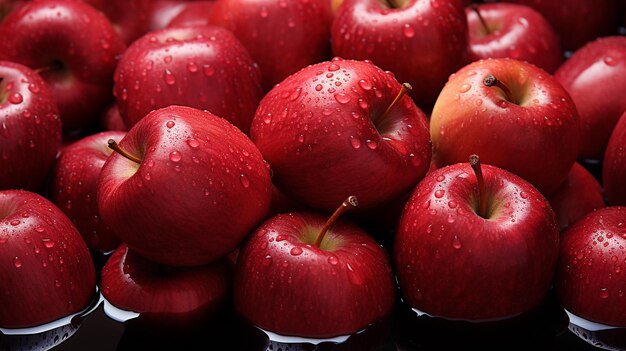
<point>147,176</point>
<point>365,85</point>
<point>208,70</point>
<point>245,182</point>
<point>263,13</point>
<point>523,195</point>
<point>280,238</point>
<point>356,143</point>
<point>268,118</point>
<point>192,67</point>
<point>408,31</point>
<point>175,156</point>
<point>452,204</point>
<point>193,143</point>
<point>353,277</point>
<point>16,98</point>
<point>333,260</point>
<point>440,193</point>
<point>34,88</point>
<point>372,145</point>
<point>342,98</point>
<point>169,77</point>
<point>267,261</point>
<point>363,104</point>
<point>295,251</point>
<point>295,94</point>
<point>604,293</point>
<point>300,138</point>
<point>333,67</point>
<point>456,242</point>
<point>465,88</point>
<point>319,87</point>
<point>15,222</point>
<point>17,262</point>
<point>48,243</point>
<point>170,124</point>
<point>426,204</point>
<point>610,61</point>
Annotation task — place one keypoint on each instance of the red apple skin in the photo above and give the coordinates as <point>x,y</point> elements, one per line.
<point>422,43</point>
<point>204,67</point>
<point>129,18</point>
<point>600,19</point>
<point>614,165</point>
<point>111,120</point>
<point>592,76</point>
<point>162,12</point>
<point>452,263</point>
<point>76,49</point>
<point>579,194</point>
<point>30,128</point>
<point>74,188</point>
<point>285,284</point>
<point>470,117</point>
<point>515,31</point>
<point>195,13</point>
<point>201,187</point>
<point>165,295</point>
<point>590,279</point>
<point>316,130</point>
<point>45,266</point>
<point>281,36</point>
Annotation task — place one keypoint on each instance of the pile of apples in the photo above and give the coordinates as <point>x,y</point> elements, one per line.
<point>209,150</point>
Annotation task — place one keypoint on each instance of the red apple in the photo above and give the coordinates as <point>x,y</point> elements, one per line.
<point>342,126</point>
<point>577,21</point>
<point>45,267</point>
<point>579,194</point>
<point>475,247</point>
<point>590,274</point>
<point>75,49</point>
<point>421,41</point>
<point>281,36</point>
<point>194,13</point>
<point>502,30</point>
<point>188,188</point>
<point>201,67</point>
<point>30,128</point>
<point>74,188</point>
<point>162,12</point>
<point>593,76</point>
<point>111,119</point>
<point>129,18</point>
<point>614,165</point>
<point>514,114</point>
<point>290,282</point>
<point>164,295</point>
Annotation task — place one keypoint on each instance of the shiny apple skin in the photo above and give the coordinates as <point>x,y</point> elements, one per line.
<point>45,267</point>
<point>317,131</point>
<point>590,279</point>
<point>453,263</point>
<point>472,118</point>
<point>614,165</point>
<point>201,187</point>
<point>285,284</point>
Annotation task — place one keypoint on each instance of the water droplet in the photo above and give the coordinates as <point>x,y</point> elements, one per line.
<point>170,124</point>
<point>426,204</point>
<point>356,143</point>
<point>342,98</point>
<point>523,195</point>
<point>192,67</point>
<point>319,87</point>
<point>300,138</point>
<point>456,243</point>
<point>465,88</point>
<point>175,156</point>
<point>15,222</point>
<point>208,70</point>
<point>16,98</point>
<point>267,261</point>
<point>34,88</point>
<point>439,193</point>
<point>245,182</point>
<point>40,229</point>
<point>268,118</point>
<point>263,13</point>
<point>450,218</point>
<point>333,67</point>
<point>169,77</point>
<point>604,293</point>
<point>57,283</point>
<point>441,178</point>
<point>296,251</point>
<point>365,85</point>
<point>453,204</point>
<point>408,31</point>
<point>193,143</point>
<point>167,59</point>
<point>17,262</point>
<point>610,61</point>
<point>333,260</point>
<point>353,277</point>
<point>48,243</point>
<point>295,94</point>
<point>280,238</point>
<point>372,145</point>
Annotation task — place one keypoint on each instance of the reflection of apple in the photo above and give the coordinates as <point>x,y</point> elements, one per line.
<point>165,295</point>
<point>590,275</point>
<point>188,188</point>
<point>475,246</point>
<point>578,195</point>
<point>301,275</point>
<point>45,267</point>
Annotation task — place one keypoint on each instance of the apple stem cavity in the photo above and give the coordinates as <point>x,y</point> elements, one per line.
<point>405,89</point>
<point>474,161</point>
<point>348,203</point>
<point>392,4</point>
<point>492,81</point>
<point>115,147</point>
<point>56,65</point>
<point>481,19</point>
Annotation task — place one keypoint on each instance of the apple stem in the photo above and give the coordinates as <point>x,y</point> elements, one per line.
<point>481,18</point>
<point>474,161</point>
<point>405,89</point>
<point>491,81</point>
<point>54,66</point>
<point>115,147</point>
<point>350,201</point>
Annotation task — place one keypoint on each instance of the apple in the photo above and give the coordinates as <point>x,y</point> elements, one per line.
<point>502,30</point>
<point>111,120</point>
<point>509,112</point>
<point>184,187</point>
<point>590,274</point>
<point>475,245</point>
<point>129,18</point>
<point>421,41</point>
<point>30,128</point>
<point>592,76</point>
<point>346,127</point>
<point>281,36</point>
<point>73,47</point>
<point>45,267</point>
<point>195,13</point>
<point>600,19</point>
<point>201,67</point>
<point>164,295</point>
<point>302,275</point>
<point>162,12</point>
<point>74,188</point>
<point>579,194</point>
<point>614,165</point>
